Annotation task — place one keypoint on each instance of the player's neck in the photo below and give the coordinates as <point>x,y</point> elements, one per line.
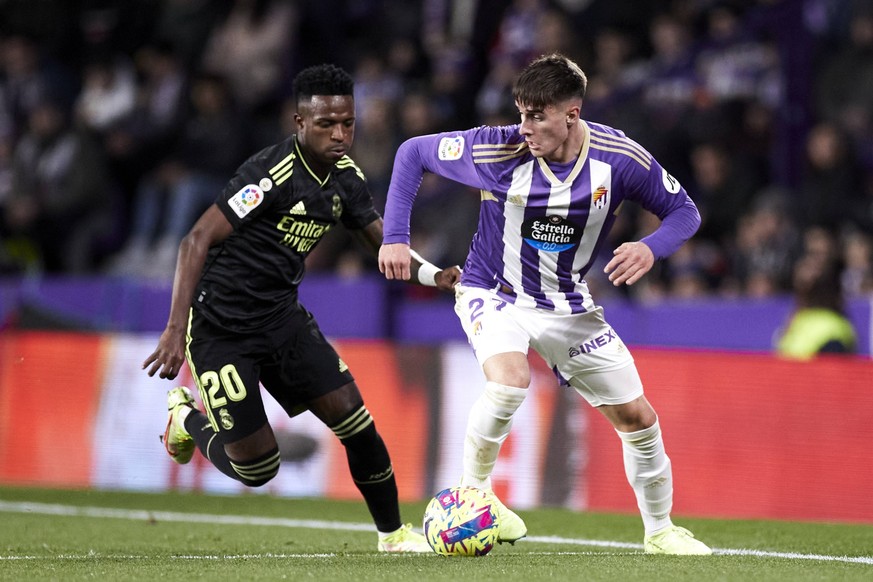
<point>320,171</point>
<point>572,146</point>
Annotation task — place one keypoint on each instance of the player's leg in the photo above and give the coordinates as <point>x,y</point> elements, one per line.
<point>306,372</point>
<point>232,432</point>
<point>489,421</point>
<point>501,347</point>
<point>343,410</point>
<point>647,466</point>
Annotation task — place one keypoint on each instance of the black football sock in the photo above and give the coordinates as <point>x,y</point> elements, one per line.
<point>370,467</point>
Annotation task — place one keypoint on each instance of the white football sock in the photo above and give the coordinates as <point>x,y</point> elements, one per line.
<point>487,427</point>
<point>649,472</point>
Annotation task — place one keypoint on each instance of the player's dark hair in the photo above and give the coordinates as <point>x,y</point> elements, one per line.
<point>548,80</point>
<point>322,80</point>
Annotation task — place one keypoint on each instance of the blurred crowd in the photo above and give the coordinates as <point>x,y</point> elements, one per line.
<point>120,121</point>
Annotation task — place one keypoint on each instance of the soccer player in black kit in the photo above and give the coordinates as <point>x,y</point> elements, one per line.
<point>235,316</point>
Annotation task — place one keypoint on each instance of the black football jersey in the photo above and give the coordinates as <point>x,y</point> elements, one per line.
<point>279,210</point>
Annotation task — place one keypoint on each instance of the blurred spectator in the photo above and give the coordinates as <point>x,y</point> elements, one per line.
<point>61,202</point>
<point>668,79</point>
<point>9,261</point>
<point>184,27</point>
<point>668,90</point>
<point>514,46</point>
<point>857,276</point>
<point>375,82</point>
<point>46,23</point>
<point>734,64</point>
<point>610,68</point>
<point>687,278</point>
<point>108,93</point>
<point>767,244</point>
<point>818,324</point>
<point>555,34</point>
<point>253,48</point>
<point>821,244</point>
<point>830,192</point>
<point>721,189</point>
<point>138,141</point>
<point>113,26</point>
<point>375,143</point>
<point>844,87</point>
<point>184,184</point>
<point>406,57</point>
<point>28,78</point>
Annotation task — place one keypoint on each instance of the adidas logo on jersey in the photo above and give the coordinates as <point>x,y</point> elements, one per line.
<point>298,208</point>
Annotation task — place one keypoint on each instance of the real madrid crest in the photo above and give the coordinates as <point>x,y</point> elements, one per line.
<point>226,419</point>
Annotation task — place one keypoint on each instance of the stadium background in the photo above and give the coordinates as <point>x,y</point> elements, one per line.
<point>738,99</point>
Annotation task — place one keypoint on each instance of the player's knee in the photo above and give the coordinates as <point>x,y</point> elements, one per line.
<point>258,471</point>
<point>509,369</point>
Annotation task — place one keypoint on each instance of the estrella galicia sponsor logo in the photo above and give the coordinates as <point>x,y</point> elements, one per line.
<point>551,234</point>
<point>246,200</point>
<point>593,344</point>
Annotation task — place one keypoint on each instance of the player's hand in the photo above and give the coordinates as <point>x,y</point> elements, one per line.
<point>629,263</point>
<point>168,356</point>
<point>448,278</point>
<point>395,261</point>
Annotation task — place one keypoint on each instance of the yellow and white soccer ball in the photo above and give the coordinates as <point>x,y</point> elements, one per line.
<point>461,521</point>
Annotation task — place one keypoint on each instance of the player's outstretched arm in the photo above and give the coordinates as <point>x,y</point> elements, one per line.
<point>169,354</point>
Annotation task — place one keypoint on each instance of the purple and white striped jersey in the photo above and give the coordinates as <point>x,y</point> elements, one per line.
<point>541,224</point>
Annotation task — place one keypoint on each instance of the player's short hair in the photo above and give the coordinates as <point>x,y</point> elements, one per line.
<point>323,79</point>
<point>548,80</point>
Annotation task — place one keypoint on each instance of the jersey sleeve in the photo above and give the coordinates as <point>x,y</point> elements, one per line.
<point>661,194</point>
<point>450,155</point>
<point>247,194</point>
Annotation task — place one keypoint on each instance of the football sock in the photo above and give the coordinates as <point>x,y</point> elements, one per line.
<point>253,473</point>
<point>370,467</point>
<point>488,426</point>
<point>649,472</point>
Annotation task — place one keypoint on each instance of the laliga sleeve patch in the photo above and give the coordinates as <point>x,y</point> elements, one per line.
<point>670,183</point>
<point>451,148</point>
<point>246,200</point>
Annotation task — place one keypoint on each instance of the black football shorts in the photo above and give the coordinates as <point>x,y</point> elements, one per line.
<point>295,363</point>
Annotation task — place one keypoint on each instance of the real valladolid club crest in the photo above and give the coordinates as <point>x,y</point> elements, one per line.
<point>600,197</point>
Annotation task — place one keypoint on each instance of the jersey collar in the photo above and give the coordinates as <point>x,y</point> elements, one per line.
<point>315,177</point>
<point>580,161</point>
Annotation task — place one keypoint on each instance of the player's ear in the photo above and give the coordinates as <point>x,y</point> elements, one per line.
<point>572,115</point>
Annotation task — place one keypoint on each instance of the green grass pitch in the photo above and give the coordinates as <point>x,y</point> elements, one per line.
<point>98,535</point>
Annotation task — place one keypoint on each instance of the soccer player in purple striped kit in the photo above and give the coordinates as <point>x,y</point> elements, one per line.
<point>551,187</point>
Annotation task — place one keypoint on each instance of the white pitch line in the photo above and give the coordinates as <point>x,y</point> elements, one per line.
<point>146,515</point>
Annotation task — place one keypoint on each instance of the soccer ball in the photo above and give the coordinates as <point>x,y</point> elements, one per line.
<point>461,521</point>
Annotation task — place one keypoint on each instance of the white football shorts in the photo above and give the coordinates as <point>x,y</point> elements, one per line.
<point>582,349</point>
